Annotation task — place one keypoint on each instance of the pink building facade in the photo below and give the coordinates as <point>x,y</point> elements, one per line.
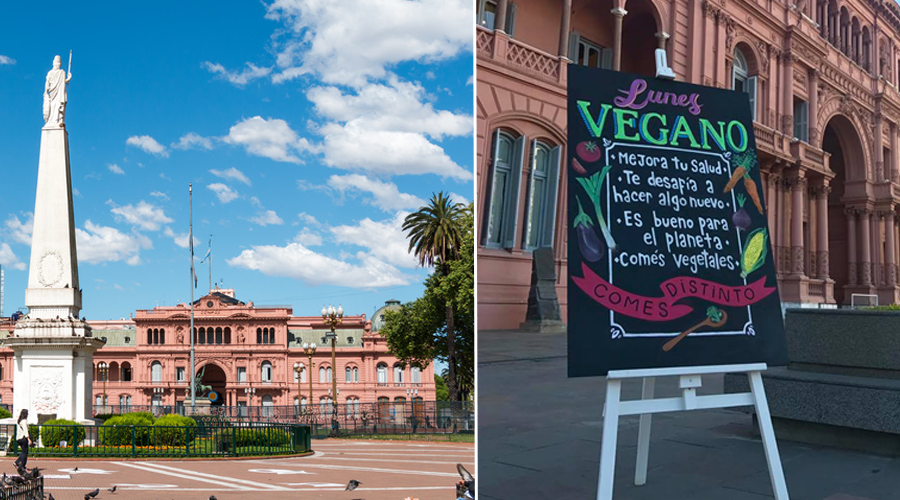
<point>822,78</point>
<point>241,346</point>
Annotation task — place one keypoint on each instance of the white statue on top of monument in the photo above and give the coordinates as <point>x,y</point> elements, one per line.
<point>55,93</point>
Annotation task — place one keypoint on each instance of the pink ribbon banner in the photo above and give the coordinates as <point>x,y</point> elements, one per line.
<point>665,308</point>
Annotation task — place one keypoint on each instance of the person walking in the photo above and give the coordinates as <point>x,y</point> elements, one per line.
<point>24,440</point>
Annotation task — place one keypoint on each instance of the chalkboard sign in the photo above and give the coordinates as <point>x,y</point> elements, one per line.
<point>670,260</point>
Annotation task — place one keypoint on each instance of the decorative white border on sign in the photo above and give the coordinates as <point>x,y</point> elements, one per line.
<point>616,330</point>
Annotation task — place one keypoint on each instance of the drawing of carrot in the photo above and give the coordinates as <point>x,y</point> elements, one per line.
<point>738,173</point>
<point>750,186</point>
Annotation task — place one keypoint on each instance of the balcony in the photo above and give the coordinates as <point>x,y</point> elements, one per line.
<point>810,156</point>
<point>500,49</point>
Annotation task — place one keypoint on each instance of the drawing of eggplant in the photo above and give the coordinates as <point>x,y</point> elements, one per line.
<point>592,248</point>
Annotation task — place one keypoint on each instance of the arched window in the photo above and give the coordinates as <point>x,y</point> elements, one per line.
<point>227,335</point>
<point>155,336</point>
<point>126,372</point>
<point>156,371</point>
<point>398,374</point>
<point>355,374</point>
<point>219,336</point>
<point>321,374</point>
<point>502,200</point>
<point>266,372</point>
<point>855,42</point>
<point>328,374</point>
<point>210,336</point>
<point>259,339</point>
<point>267,405</point>
<point>416,375</point>
<point>149,336</point>
<point>324,405</point>
<point>202,336</point>
<point>1,372</point>
<point>348,375</point>
<point>162,335</point>
<point>540,214</point>
<point>382,373</point>
<point>303,374</point>
<point>867,50</point>
<point>742,81</point>
<point>303,404</point>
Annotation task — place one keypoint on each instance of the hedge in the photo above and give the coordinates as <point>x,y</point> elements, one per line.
<point>117,430</point>
<point>173,430</point>
<point>224,439</point>
<point>51,435</point>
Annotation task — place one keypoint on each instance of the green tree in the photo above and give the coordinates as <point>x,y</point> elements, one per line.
<point>443,394</point>
<point>436,233</point>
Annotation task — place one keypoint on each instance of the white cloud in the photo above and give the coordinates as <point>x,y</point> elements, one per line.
<point>250,73</point>
<point>387,153</point>
<point>143,215</point>
<point>271,138</point>
<point>397,106</point>
<point>269,217</point>
<point>160,195</point>
<point>9,259</point>
<point>21,231</point>
<point>351,41</point>
<point>309,219</point>
<point>430,75</point>
<point>470,80</point>
<point>458,198</point>
<point>96,244</point>
<point>299,262</point>
<point>231,173</point>
<point>384,195</point>
<point>148,144</point>
<point>181,239</point>
<point>385,240</point>
<point>223,192</point>
<point>193,140</point>
<point>116,169</point>
<point>6,60</point>
<point>308,238</point>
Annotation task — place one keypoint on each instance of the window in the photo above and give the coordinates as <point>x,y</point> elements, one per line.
<point>801,120</point>
<point>303,403</point>
<point>502,202</point>
<point>266,372</point>
<point>156,400</point>
<point>328,374</point>
<point>398,374</point>
<point>348,375</point>
<point>99,401</point>
<point>416,373</point>
<point>227,335</point>
<point>126,372</point>
<point>219,336</point>
<point>303,374</point>
<point>382,373</point>
<point>487,15</point>
<point>587,53</point>
<point>201,338</point>
<point>259,339</point>
<point>355,374</point>
<point>179,374</point>
<point>156,371</point>
<point>741,80</point>
<point>267,406</point>
<point>162,335</point>
<point>541,214</point>
<point>242,374</point>
<point>321,374</point>
<point>121,401</point>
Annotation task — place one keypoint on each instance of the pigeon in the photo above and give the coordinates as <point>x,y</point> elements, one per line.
<point>75,470</point>
<point>51,496</point>
<point>111,490</point>
<point>213,497</point>
<point>352,485</point>
<point>92,494</point>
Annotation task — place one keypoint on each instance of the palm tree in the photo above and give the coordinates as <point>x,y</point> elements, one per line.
<point>435,232</point>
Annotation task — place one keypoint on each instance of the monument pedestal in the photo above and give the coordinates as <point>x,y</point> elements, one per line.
<point>54,375</point>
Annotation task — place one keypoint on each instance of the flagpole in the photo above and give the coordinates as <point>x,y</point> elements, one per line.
<point>191,243</point>
<point>210,261</point>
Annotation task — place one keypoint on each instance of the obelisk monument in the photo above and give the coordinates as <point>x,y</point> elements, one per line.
<point>54,349</point>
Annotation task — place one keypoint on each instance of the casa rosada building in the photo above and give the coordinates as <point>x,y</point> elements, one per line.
<point>822,80</point>
<point>239,346</point>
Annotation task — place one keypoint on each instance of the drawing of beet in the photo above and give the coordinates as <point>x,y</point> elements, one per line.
<point>592,248</point>
<point>740,218</point>
<point>588,151</point>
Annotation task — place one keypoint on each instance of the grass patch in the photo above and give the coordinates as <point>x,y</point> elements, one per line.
<point>452,438</point>
<point>151,451</point>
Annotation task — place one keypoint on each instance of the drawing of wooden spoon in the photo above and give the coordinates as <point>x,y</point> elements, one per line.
<point>715,318</point>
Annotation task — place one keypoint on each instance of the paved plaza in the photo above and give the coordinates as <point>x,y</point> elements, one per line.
<point>539,438</point>
<point>388,470</point>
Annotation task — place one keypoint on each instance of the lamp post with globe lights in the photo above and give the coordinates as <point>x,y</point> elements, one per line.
<point>298,369</point>
<point>309,350</point>
<point>333,317</point>
<point>250,391</point>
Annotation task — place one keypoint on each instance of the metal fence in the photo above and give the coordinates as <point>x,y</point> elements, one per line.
<point>207,439</point>
<point>30,490</point>
<point>425,417</point>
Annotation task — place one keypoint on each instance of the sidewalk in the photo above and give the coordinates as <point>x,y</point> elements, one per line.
<point>539,438</point>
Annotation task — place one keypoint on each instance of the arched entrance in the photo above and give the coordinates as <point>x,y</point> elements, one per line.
<point>841,140</point>
<point>215,377</point>
<point>639,40</point>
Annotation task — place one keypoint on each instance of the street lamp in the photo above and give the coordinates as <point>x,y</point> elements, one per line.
<point>332,317</point>
<point>250,391</point>
<point>309,350</point>
<point>298,369</point>
<point>104,373</point>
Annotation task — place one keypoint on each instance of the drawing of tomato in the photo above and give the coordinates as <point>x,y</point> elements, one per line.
<point>577,167</point>
<point>588,151</point>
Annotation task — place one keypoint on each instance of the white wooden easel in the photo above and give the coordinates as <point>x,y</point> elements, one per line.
<point>689,381</point>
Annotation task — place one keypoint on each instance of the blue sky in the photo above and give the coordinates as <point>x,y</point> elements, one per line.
<point>309,129</point>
